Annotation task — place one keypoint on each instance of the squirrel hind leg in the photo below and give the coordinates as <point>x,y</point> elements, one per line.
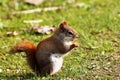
<point>46,70</point>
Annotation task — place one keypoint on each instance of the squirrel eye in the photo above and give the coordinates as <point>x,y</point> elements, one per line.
<point>70,33</point>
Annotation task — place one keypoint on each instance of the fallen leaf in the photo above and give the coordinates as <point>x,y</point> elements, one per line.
<point>52,8</point>
<point>12,33</point>
<point>119,15</point>
<point>18,70</point>
<point>92,65</point>
<point>43,29</point>
<point>0,70</point>
<point>35,2</point>
<point>28,11</point>
<point>70,1</point>
<point>81,5</point>
<point>39,10</point>
<point>8,70</point>
<point>32,21</point>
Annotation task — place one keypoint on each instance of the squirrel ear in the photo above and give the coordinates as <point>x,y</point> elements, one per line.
<point>62,26</point>
<point>64,23</point>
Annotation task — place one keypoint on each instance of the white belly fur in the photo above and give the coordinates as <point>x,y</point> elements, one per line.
<point>57,61</point>
<point>68,43</point>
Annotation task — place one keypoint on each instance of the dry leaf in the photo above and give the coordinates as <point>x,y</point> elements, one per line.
<point>70,1</point>
<point>35,2</point>
<point>8,70</point>
<point>81,5</point>
<point>0,70</point>
<point>119,15</point>
<point>32,21</point>
<point>39,10</point>
<point>43,29</point>
<point>28,11</point>
<point>52,8</point>
<point>12,33</point>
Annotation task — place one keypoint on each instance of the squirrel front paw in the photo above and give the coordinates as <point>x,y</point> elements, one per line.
<point>75,45</point>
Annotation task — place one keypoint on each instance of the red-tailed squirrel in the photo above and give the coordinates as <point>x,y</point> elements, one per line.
<point>47,57</point>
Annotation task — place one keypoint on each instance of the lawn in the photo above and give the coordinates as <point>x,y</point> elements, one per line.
<point>96,21</point>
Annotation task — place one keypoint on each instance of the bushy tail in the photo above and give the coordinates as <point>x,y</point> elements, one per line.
<point>30,50</point>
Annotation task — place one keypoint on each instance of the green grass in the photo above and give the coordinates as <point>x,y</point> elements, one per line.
<point>98,26</point>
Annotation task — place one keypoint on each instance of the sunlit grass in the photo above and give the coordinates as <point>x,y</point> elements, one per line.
<point>97,23</point>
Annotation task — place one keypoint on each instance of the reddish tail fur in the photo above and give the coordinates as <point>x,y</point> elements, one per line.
<point>30,50</point>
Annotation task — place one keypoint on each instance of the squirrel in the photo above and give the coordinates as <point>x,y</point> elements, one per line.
<point>47,57</point>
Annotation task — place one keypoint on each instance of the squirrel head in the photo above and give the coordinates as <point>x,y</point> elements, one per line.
<point>66,32</point>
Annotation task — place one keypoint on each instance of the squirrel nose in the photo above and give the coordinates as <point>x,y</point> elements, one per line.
<point>76,36</point>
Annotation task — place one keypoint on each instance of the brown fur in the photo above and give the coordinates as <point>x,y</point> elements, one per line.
<point>39,57</point>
